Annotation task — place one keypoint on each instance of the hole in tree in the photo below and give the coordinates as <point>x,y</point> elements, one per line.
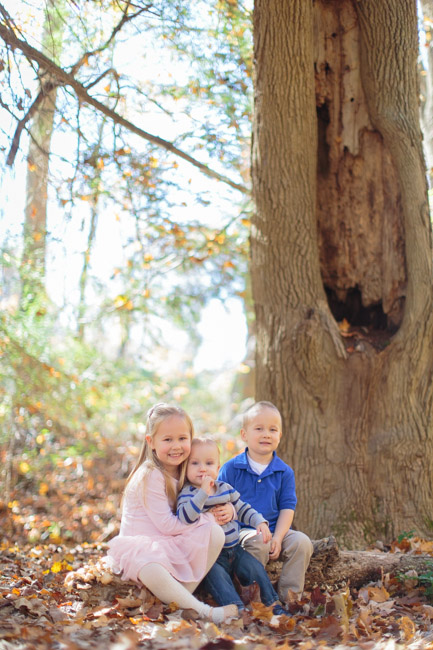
<point>355,313</point>
<point>323,120</point>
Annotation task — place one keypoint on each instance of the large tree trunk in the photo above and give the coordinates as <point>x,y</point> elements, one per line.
<point>341,212</point>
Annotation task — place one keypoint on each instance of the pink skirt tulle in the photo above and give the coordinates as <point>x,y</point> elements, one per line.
<point>184,555</point>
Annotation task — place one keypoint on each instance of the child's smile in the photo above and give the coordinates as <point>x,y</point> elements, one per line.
<point>171,443</point>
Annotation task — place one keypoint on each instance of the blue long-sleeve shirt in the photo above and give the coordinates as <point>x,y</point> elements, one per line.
<point>192,501</point>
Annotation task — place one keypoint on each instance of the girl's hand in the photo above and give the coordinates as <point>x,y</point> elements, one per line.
<point>266,533</point>
<point>207,484</point>
<point>223,513</point>
<point>275,551</point>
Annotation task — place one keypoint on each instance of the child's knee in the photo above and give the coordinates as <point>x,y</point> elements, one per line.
<point>297,542</point>
<point>257,548</point>
<point>217,536</point>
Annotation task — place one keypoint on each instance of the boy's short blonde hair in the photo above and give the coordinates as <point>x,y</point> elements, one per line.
<point>254,408</point>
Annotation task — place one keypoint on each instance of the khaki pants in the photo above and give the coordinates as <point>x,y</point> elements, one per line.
<point>296,551</point>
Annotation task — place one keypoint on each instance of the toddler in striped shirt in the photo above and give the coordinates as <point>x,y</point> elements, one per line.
<point>201,493</point>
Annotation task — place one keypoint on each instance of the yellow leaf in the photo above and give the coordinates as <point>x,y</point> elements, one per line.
<point>24,467</point>
<point>107,88</point>
<point>43,489</point>
<point>37,236</point>
<point>378,594</point>
<point>100,164</point>
<point>344,326</point>
<point>407,626</point>
<point>16,591</point>
<point>57,566</point>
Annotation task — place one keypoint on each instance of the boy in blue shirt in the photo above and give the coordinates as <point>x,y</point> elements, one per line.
<point>268,484</point>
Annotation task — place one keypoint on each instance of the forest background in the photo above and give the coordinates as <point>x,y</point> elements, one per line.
<point>128,230</point>
<point>126,236</point>
<point>111,255</point>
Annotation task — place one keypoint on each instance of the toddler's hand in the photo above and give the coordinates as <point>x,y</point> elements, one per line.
<point>223,513</point>
<point>266,533</point>
<point>207,484</point>
<point>275,551</point>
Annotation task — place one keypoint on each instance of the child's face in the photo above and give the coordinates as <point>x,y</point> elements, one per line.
<point>262,434</point>
<point>203,461</point>
<point>171,443</point>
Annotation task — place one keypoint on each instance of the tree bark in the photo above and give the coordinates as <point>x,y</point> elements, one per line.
<point>35,223</point>
<point>334,186</point>
<point>427,87</point>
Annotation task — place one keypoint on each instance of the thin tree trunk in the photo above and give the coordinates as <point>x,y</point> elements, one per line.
<point>35,224</point>
<point>91,236</point>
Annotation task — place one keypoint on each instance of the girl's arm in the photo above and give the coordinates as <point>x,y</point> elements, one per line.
<point>158,508</point>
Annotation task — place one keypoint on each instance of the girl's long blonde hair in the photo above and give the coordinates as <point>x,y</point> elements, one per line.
<point>148,457</point>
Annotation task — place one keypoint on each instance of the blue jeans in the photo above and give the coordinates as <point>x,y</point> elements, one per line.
<point>236,560</point>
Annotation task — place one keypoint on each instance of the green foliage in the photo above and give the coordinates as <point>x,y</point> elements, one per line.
<point>405,535</point>
<point>426,580</point>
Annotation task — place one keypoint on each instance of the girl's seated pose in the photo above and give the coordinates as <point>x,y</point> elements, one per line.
<point>153,547</point>
<point>202,493</point>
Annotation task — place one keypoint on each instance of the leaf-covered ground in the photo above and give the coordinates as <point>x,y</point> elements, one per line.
<point>56,593</point>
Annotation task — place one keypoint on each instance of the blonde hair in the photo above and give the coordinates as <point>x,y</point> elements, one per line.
<point>155,416</point>
<point>253,409</point>
<point>205,440</point>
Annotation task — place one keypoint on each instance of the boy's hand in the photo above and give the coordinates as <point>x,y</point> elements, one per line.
<point>266,533</point>
<point>275,551</point>
<point>207,484</point>
<point>223,513</point>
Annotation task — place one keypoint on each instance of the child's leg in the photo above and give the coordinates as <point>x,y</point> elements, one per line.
<point>296,551</point>
<point>254,544</point>
<point>162,584</point>
<point>216,542</point>
<point>218,581</point>
<point>248,569</point>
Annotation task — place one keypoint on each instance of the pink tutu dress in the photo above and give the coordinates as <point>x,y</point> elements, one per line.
<point>150,532</point>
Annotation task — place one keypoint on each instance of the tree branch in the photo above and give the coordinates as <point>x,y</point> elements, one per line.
<point>66,79</point>
<point>45,90</point>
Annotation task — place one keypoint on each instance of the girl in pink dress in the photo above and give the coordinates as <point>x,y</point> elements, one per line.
<point>153,547</point>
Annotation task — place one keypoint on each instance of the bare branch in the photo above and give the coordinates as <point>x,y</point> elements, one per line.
<point>101,76</point>
<point>64,78</point>
<point>47,88</point>
<point>125,19</point>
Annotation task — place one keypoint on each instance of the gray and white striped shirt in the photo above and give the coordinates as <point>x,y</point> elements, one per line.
<point>192,501</point>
